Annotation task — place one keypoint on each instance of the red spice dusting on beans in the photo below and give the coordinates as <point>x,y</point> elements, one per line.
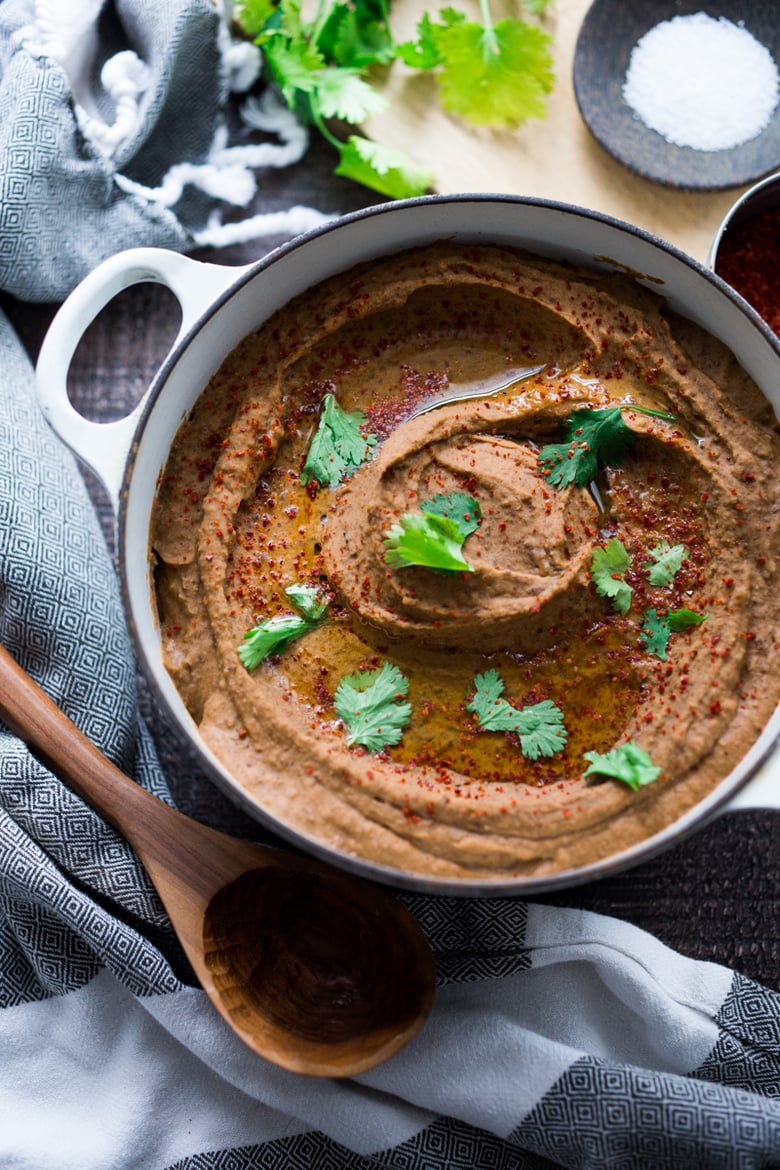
<point>747,259</point>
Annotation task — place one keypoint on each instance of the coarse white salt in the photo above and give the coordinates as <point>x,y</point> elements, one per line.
<point>702,82</point>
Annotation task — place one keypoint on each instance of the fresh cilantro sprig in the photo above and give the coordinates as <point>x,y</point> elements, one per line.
<point>338,447</point>
<point>657,628</point>
<point>539,726</point>
<point>627,762</point>
<point>433,537</point>
<point>490,74</point>
<point>609,566</point>
<point>274,634</point>
<point>370,706</point>
<point>592,439</point>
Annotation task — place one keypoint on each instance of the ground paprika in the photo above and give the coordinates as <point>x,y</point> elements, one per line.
<point>747,259</point>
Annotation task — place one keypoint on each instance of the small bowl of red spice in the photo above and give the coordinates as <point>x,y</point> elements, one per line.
<point>746,249</point>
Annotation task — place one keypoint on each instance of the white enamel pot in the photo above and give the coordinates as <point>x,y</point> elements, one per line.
<point>220,305</point>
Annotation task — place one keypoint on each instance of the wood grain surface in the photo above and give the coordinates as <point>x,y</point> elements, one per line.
<point>715,895</point>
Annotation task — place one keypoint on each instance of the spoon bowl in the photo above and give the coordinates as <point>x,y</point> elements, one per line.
<point>317,971</point>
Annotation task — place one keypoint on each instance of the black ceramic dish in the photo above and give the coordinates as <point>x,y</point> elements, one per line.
<point>609,32</point>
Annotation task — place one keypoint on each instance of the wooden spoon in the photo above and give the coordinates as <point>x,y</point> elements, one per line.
<point>317,971</point>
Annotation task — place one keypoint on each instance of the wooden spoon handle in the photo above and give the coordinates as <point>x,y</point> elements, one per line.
<point>29,712</point>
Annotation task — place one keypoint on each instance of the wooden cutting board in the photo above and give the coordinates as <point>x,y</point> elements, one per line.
<point>553,158</point>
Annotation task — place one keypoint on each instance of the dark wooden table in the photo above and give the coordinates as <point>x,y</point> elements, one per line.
<point>715,895</point>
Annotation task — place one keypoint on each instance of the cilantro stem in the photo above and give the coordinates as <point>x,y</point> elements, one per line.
<point>323,129</point>
<point>646,410</point>
<point>489,42</point>
<point>318,23</point>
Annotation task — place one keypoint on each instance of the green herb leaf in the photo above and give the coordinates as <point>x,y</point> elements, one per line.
<point>429,541</point>
<point>368,704</point>
<point>253,15</point>
<point>433,537</point>
<point>342,93</point>
<point>423,53</point>
<point>494,75</point>
<point>628,762</point>
<point>655,633</point>
<point>274,634</point>
<point>608,570</point>
<point>338,447</point>
<point>658,628</point>
<point>309,600</point>
<point>381,168</point>
<point>295,65</point>
<point>493,712</point>
<point>459,507</point>
<point>668,560</point>
<point>681,619</point>
<point>539,726</point>
<point>593,438</point>
<point>356,36</point>
<point>270,637</point>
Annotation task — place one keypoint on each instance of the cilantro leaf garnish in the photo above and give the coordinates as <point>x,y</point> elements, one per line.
<point>667,561</point>
<point>459,507</point>
<point>681,619</point>
<point>608,570</point>
<point>592,439</point>
<point>433,537</point>
<point>274,634</point>
<point>338,446</point>
<point>658,628</point>
<point>491,74</point>
<point>309,600</point>
<point>430,541</point>
<point>539,726</point>
<point>655,633</point>
<point>628,762</point>
<point>368,704</point>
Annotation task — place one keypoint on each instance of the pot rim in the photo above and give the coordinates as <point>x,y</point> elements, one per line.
<point>693,820</point>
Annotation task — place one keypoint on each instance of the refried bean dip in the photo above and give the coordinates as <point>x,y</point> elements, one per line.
<point>466,365</point>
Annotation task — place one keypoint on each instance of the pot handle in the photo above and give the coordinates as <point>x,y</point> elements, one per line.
<point>105,446</point>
